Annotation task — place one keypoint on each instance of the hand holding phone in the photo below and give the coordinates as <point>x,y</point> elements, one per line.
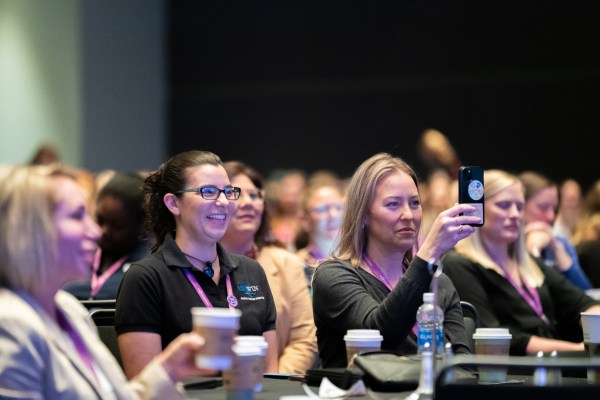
<point>470,189</point>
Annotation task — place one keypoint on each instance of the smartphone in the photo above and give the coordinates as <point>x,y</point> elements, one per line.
<point>470,189</point>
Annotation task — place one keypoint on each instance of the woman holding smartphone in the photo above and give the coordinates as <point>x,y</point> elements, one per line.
<point>378,275</point>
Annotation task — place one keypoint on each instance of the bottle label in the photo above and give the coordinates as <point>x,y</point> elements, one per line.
<point>425,335</point>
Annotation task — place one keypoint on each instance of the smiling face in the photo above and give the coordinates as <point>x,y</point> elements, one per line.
<point>198,219</point>
<point>504,215</point>
<point>395,214</point>
<point>76,232</point>
<point>249,209</point>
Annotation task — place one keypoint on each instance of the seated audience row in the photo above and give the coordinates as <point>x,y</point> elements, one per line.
<point>212,245</point>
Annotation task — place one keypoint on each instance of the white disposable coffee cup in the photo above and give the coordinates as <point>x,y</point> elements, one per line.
<point>360,341</point>
<point>590,323</point>
<point>240,380</point>
<point>256,341</point>
<point>218,326</point>
<point>492,342</point>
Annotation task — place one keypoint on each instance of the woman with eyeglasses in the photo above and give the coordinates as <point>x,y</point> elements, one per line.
<point>321,218</point>
<point>189,203</point>
<point>248,233</point>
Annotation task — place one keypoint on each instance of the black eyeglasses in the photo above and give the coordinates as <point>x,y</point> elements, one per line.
<point>211,192</point>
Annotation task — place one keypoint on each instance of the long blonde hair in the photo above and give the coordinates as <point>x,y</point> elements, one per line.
<point>473,248</point>
<point>28,245</point>
<point>361,191</point>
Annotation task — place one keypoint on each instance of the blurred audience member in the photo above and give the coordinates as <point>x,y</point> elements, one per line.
<point>248,234</point>
<point>45,154</point>
<point>189,202</point>
<point>493,270</point>
<point>569,206</point>
<point>283,194</point>
<point>436,152</point>
<point>436,196</point>
<point>587,234</point>
<point>50,348</point>
<point>586,226</point>
<point>120,214</point>
<point>541,203</point>
<point>102,178</point>
<point>321,217</point>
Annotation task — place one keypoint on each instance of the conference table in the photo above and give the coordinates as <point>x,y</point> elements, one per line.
<point>274,389</point>
<point>517,387</point>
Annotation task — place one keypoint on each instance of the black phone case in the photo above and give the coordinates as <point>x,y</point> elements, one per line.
<point>470,188</point>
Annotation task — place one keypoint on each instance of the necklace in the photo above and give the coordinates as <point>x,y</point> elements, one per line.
<point>208,269</point>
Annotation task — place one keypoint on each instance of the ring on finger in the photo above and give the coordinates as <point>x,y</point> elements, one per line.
<point>460,229</point>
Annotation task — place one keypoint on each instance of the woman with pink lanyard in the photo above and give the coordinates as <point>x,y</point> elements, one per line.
<point>189,203</point>
<point>493,270</point>
<point>377,277</point>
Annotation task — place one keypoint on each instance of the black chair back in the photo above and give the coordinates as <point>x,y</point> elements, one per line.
<point>471,322</point>
<point>104,318</point>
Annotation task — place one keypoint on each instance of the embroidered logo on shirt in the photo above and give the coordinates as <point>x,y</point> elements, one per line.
<point>249,290</point>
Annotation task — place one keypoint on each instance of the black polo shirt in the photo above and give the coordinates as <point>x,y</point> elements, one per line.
<point>156,296</point>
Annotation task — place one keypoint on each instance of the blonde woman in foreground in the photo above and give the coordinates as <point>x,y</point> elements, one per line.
<point>50,348</point>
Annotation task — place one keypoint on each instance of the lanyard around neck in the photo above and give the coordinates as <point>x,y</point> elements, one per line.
<point>528,293</point>
<point>381,277</point>
<point>377,271</point>
<point>77,341</point>
<point>99,281</point>
<point>231,299</point>
<point>315,253</point>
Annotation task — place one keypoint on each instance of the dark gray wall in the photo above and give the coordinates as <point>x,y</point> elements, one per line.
<point>326,84</point>
<point>123,84</point>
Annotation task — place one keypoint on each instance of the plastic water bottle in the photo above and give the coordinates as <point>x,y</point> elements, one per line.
<point>430,324</point>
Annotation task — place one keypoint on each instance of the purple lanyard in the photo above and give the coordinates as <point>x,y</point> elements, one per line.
<point>315,253</point>
<point>531,295</point>
<point>99,281</point>
<point>377,272</point>
<point>77,341</point>
<point>231,299</point>
<point>381,277</point>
